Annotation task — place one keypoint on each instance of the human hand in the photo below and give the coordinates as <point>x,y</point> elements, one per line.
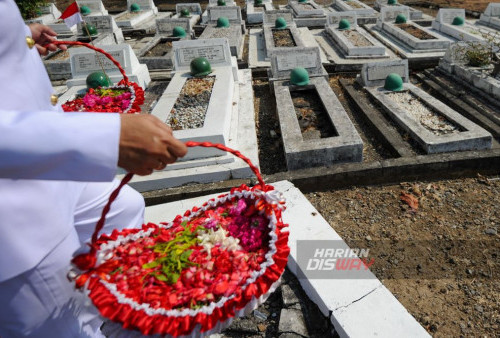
<point>146,144</point>
<point>43,36</point>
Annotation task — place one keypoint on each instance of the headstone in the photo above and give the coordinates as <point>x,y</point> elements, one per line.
<point>389,14</point>
<point>374,74</point>
<point>233,13</point>
<point>216,51</point>
<point>333,19</point>
<point>283,61</point>
<point>270,17</point>
<point>214,3</point>
<point>104,24</point>
<point>96,7</point>
<point>491,15</point>
<point>85,61</point>
<point>193,8</point>
<point>446,15</point>
<point>165,26</point>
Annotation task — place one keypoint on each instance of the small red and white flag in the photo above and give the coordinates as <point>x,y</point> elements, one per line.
<point>71,15</point>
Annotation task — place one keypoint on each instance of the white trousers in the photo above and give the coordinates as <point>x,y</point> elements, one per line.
<point>41,302</point>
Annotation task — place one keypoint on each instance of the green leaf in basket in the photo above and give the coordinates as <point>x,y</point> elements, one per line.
<point>150,265</point>
<point>161,277</point>
<point>174,277</point>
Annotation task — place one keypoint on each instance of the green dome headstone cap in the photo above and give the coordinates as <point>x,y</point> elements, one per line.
<point>134,8</point>
<point>88,29</point>
<point>299,76</point>
<point>222,22</point>
<point>185,12</point>
<point>179,32</point>
<point>221,2</point>
<point>400,18</point>
<point>85,10</point>
<point>257,2</point>
<point>344,24</point>
<point>392,2</point>
<point>302,0</point>
<point>393,82</point>
<point>458,21</point>
<point>200,67</point>
<point>280,23</point>
<point>98,79</point>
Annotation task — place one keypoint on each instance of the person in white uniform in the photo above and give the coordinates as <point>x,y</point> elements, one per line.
<point>45,213</point>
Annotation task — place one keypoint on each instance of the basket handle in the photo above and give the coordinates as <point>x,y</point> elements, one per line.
<point>128,177</point>
<point>97,49</point>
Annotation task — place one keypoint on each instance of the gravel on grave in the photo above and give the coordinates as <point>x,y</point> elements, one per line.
<point>221,32</point>
<point>313,119</point>
<point>61,54</point>
<point>432,121</point>
<point>127,16</point>
<point>283,38</point>
<point>356,38</point>
<point>354,4</point>
<point>191,106</point>
<point>160,49</point>
<point>306,7</point>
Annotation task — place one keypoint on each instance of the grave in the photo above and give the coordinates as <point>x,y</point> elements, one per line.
<point>254,12</point>
<point>348,48</point>
<point>85,61</point>
<point>49,15</point>
<point>433,125</point>
<point>58,63</point>
<point>407,39</point>
<point>96,7</point>
<point>415,14</point>
<point>231,29</point>
<point>307,14</point>
<point>445,20</point>
<point>455,64</point>
<point>212,3</point>
<point>139,18</point>
<point>158,52</point>
<point>226,96</point>
<point>315,128</point>
<point>194,10</point>
<point>361,9</point>
<point>276,38</point>
<point>491,16</point>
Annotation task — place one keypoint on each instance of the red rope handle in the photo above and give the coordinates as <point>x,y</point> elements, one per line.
<point>128,177</point>
<point>102,51</point>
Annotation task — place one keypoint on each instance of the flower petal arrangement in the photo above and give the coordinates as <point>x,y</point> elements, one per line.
<point>192,275</point>
<point>124,98</point>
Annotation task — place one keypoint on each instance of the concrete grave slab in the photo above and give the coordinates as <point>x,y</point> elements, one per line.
<point>466,32</point>
<point>347,301</point>
<point>491,16</point>
<point>466,136</point>
<point>368,47</point>
<point>300,153</point>
<point>212,3</point>
<point>269,31</point>
<point>478,77</point>
<point>414,14</point>
<point>232,34</point>
<point>194,10</point>
<point>354,5</point>
<point>269,17</point>
<point>242,136</point>
<point>305,9</point>
<point>255,14</point>
<point>216,126</point>
<point>165,26</point>
<point>84,61</point>
<point>232,13</point>
<point>283,61</point>
<point>147,14</point>
<point>50,17</point>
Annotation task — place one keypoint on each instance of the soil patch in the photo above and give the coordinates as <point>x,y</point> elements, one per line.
<point>354,4</point>
<point>161,49</point>
<point>415,31</point>
<point>61,55</point>
<point>313,119</point>
<point>451,285</point>
<point>283,38</point>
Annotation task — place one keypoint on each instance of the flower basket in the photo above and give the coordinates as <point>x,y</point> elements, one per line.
<point>125,98</point>
<point>190,276</point>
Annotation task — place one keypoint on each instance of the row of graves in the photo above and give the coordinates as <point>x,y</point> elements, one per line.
<point>206,94</point>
